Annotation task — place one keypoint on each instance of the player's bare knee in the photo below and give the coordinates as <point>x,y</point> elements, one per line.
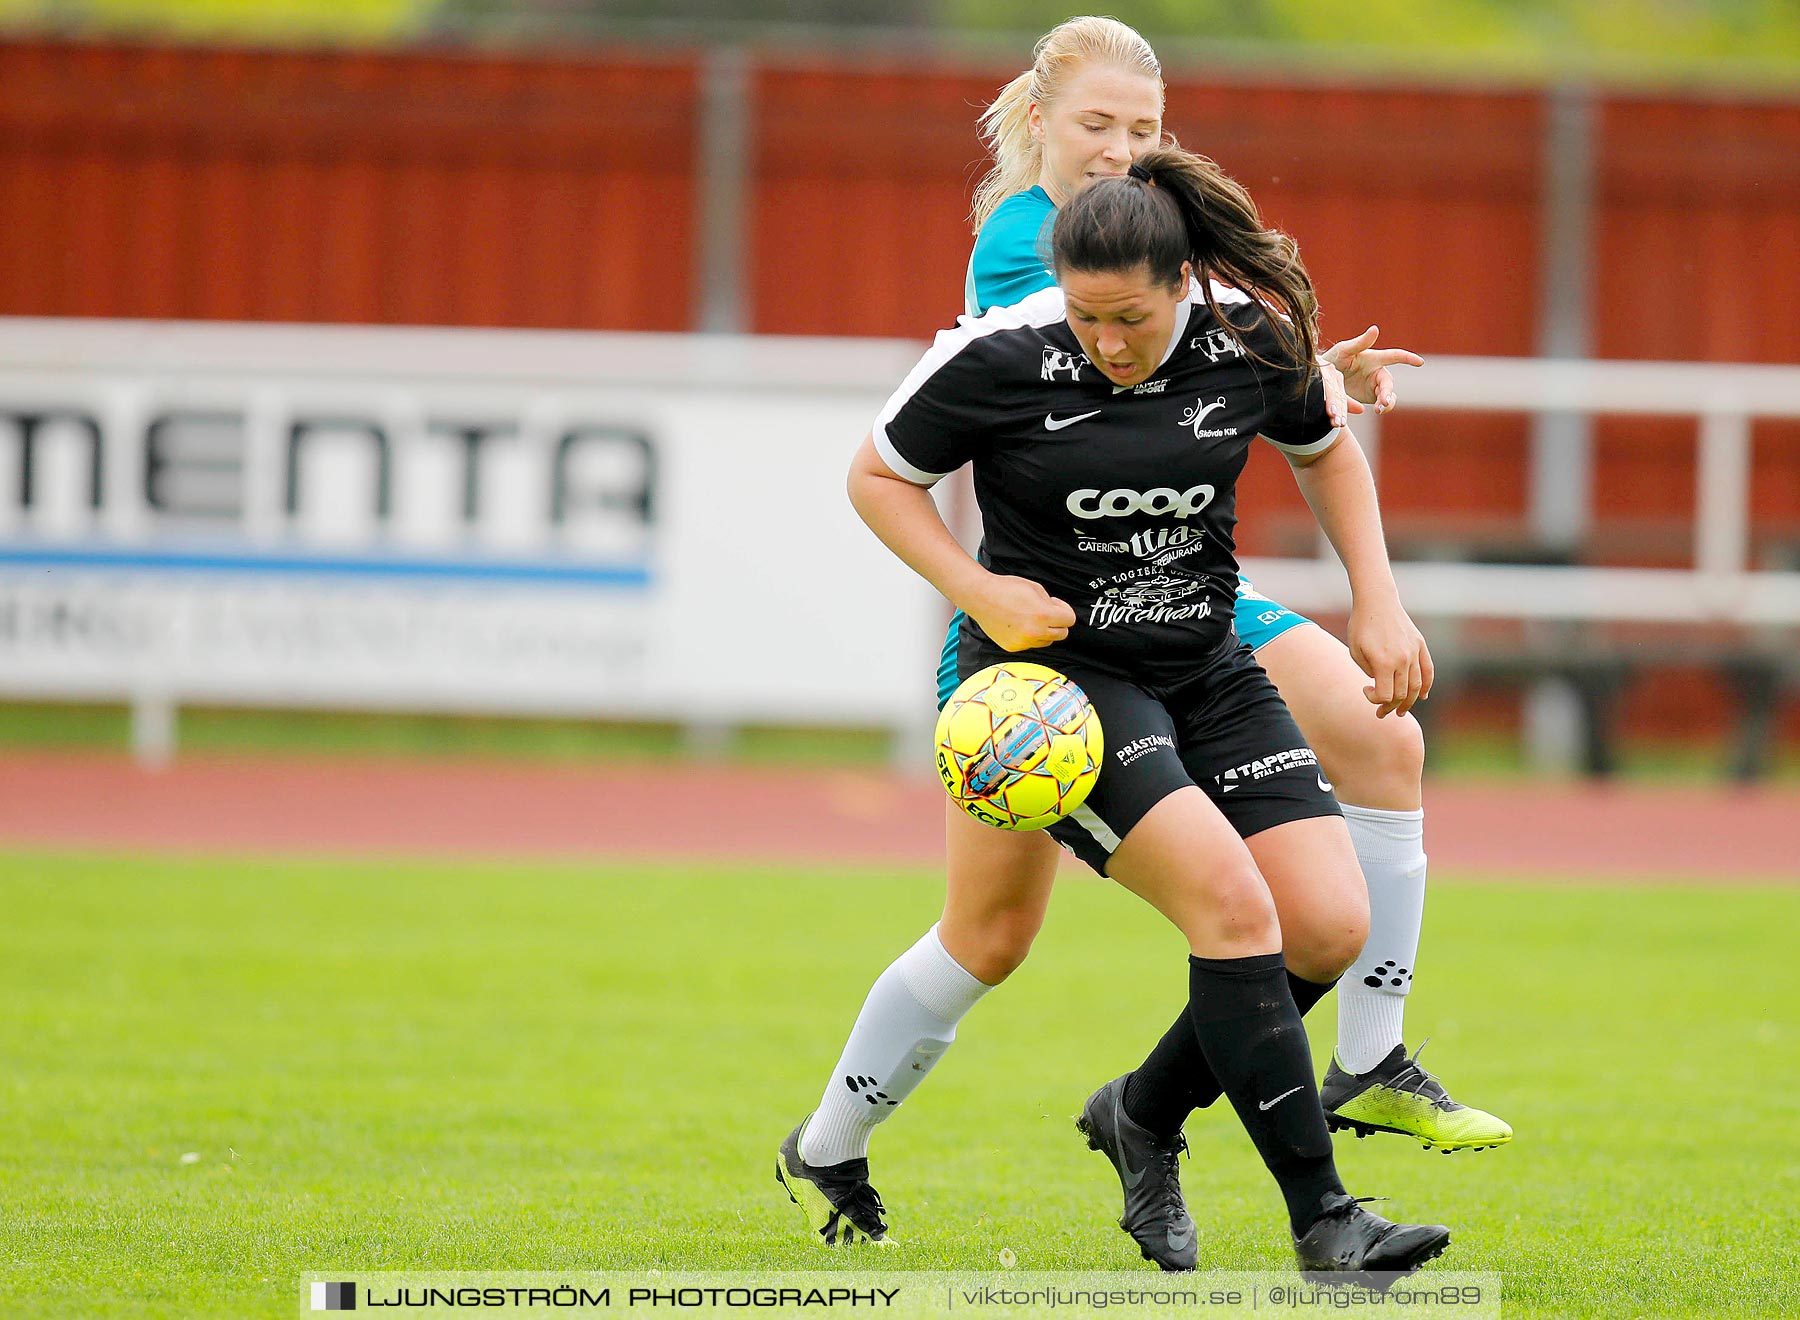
<point>1321,943</point>
<point>1008,945</point>
<point>993,948</point>
<point>1235,915</point>
<point>1380,762</point>
<point>1326,954</point>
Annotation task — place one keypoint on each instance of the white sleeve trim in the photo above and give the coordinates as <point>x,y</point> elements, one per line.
<point>1040,308</point>
<point>1330,438</point>
<point>901,468</point>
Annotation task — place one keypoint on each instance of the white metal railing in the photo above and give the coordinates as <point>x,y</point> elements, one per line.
<point>723,397</point>
<point>1721,587</point>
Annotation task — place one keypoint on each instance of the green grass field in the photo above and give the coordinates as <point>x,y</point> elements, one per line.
<point>574,1067</point>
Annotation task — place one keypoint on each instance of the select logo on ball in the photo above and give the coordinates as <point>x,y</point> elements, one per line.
<point>1019,746</point>
<point>947,771</point>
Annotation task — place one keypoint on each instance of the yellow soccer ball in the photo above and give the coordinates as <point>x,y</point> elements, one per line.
<point>1019,746</point>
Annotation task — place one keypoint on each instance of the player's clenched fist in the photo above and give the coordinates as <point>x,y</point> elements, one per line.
<point>1019,615</point>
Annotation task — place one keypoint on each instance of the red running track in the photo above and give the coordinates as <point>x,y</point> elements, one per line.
<point>305,806</point>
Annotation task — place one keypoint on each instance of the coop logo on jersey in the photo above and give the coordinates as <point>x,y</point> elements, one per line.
<point>1142,747</point>
<point>1056,362</point>
<point>1197,415</point>
<point>1251,771</point>
<point>1159,500</point>
<point>1217,344</point>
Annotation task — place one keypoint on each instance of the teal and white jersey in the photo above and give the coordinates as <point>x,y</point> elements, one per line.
<point>1011,259</point>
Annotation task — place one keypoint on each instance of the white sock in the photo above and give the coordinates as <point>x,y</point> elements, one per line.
<point>906,1024</point>
<point>1372,996</point>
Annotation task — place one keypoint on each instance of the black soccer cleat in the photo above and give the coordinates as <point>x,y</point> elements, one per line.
<point>837,1200</point>
<point>1348,1244</point>
<point>1155,1215</point>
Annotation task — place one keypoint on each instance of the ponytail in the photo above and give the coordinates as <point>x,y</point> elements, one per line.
<point>1018,157</point>
<point>1175,206</point>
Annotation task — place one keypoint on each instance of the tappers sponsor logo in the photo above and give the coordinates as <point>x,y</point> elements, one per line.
<point>1057,362</point>
<point>1141,747</point>
<point>1196,416</point>
<point>1159,501</point>
<point>1216,344</point>
<point>1264,767</point>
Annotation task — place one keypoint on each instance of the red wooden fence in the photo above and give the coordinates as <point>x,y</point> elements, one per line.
<point>505,190</point>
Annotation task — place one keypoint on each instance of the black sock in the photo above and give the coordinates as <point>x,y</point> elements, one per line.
<point>1175,1080</point>
<point>1249,1029</point>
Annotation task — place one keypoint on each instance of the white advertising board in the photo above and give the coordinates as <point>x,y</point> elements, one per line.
<point>629,526</point>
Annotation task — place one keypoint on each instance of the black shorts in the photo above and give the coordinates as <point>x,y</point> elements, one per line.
<point>1223,728</point>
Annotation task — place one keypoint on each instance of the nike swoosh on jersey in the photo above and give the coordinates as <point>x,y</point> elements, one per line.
<point>1054,423</point>
<point>1267,1105</point>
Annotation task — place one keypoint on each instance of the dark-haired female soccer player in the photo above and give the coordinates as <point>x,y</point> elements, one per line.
<point>1091,102</point>
<point>1115,409</point>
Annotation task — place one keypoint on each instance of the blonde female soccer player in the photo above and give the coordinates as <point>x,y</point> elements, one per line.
<point>1121,407</point>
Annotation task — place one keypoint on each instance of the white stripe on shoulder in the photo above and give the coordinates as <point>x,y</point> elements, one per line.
<point>1222,293</point>
<point>1044,307</point>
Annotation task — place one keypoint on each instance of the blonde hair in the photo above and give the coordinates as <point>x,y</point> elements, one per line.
<point>1006,123</point>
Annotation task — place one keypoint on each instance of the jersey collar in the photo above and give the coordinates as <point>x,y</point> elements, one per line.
<point>1183,310</point>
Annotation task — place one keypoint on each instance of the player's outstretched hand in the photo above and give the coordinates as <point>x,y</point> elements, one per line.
<point>1367,379</point>
<point>1337,398</point>
<point>1388,647</point>
<point>1020,615</point>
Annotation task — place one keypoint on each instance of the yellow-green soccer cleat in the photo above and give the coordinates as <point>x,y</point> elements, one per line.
<point>837,1200</point>
<point>1397,1095</point>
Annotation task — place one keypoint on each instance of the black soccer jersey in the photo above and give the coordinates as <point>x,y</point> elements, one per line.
<point>1118,499</point>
